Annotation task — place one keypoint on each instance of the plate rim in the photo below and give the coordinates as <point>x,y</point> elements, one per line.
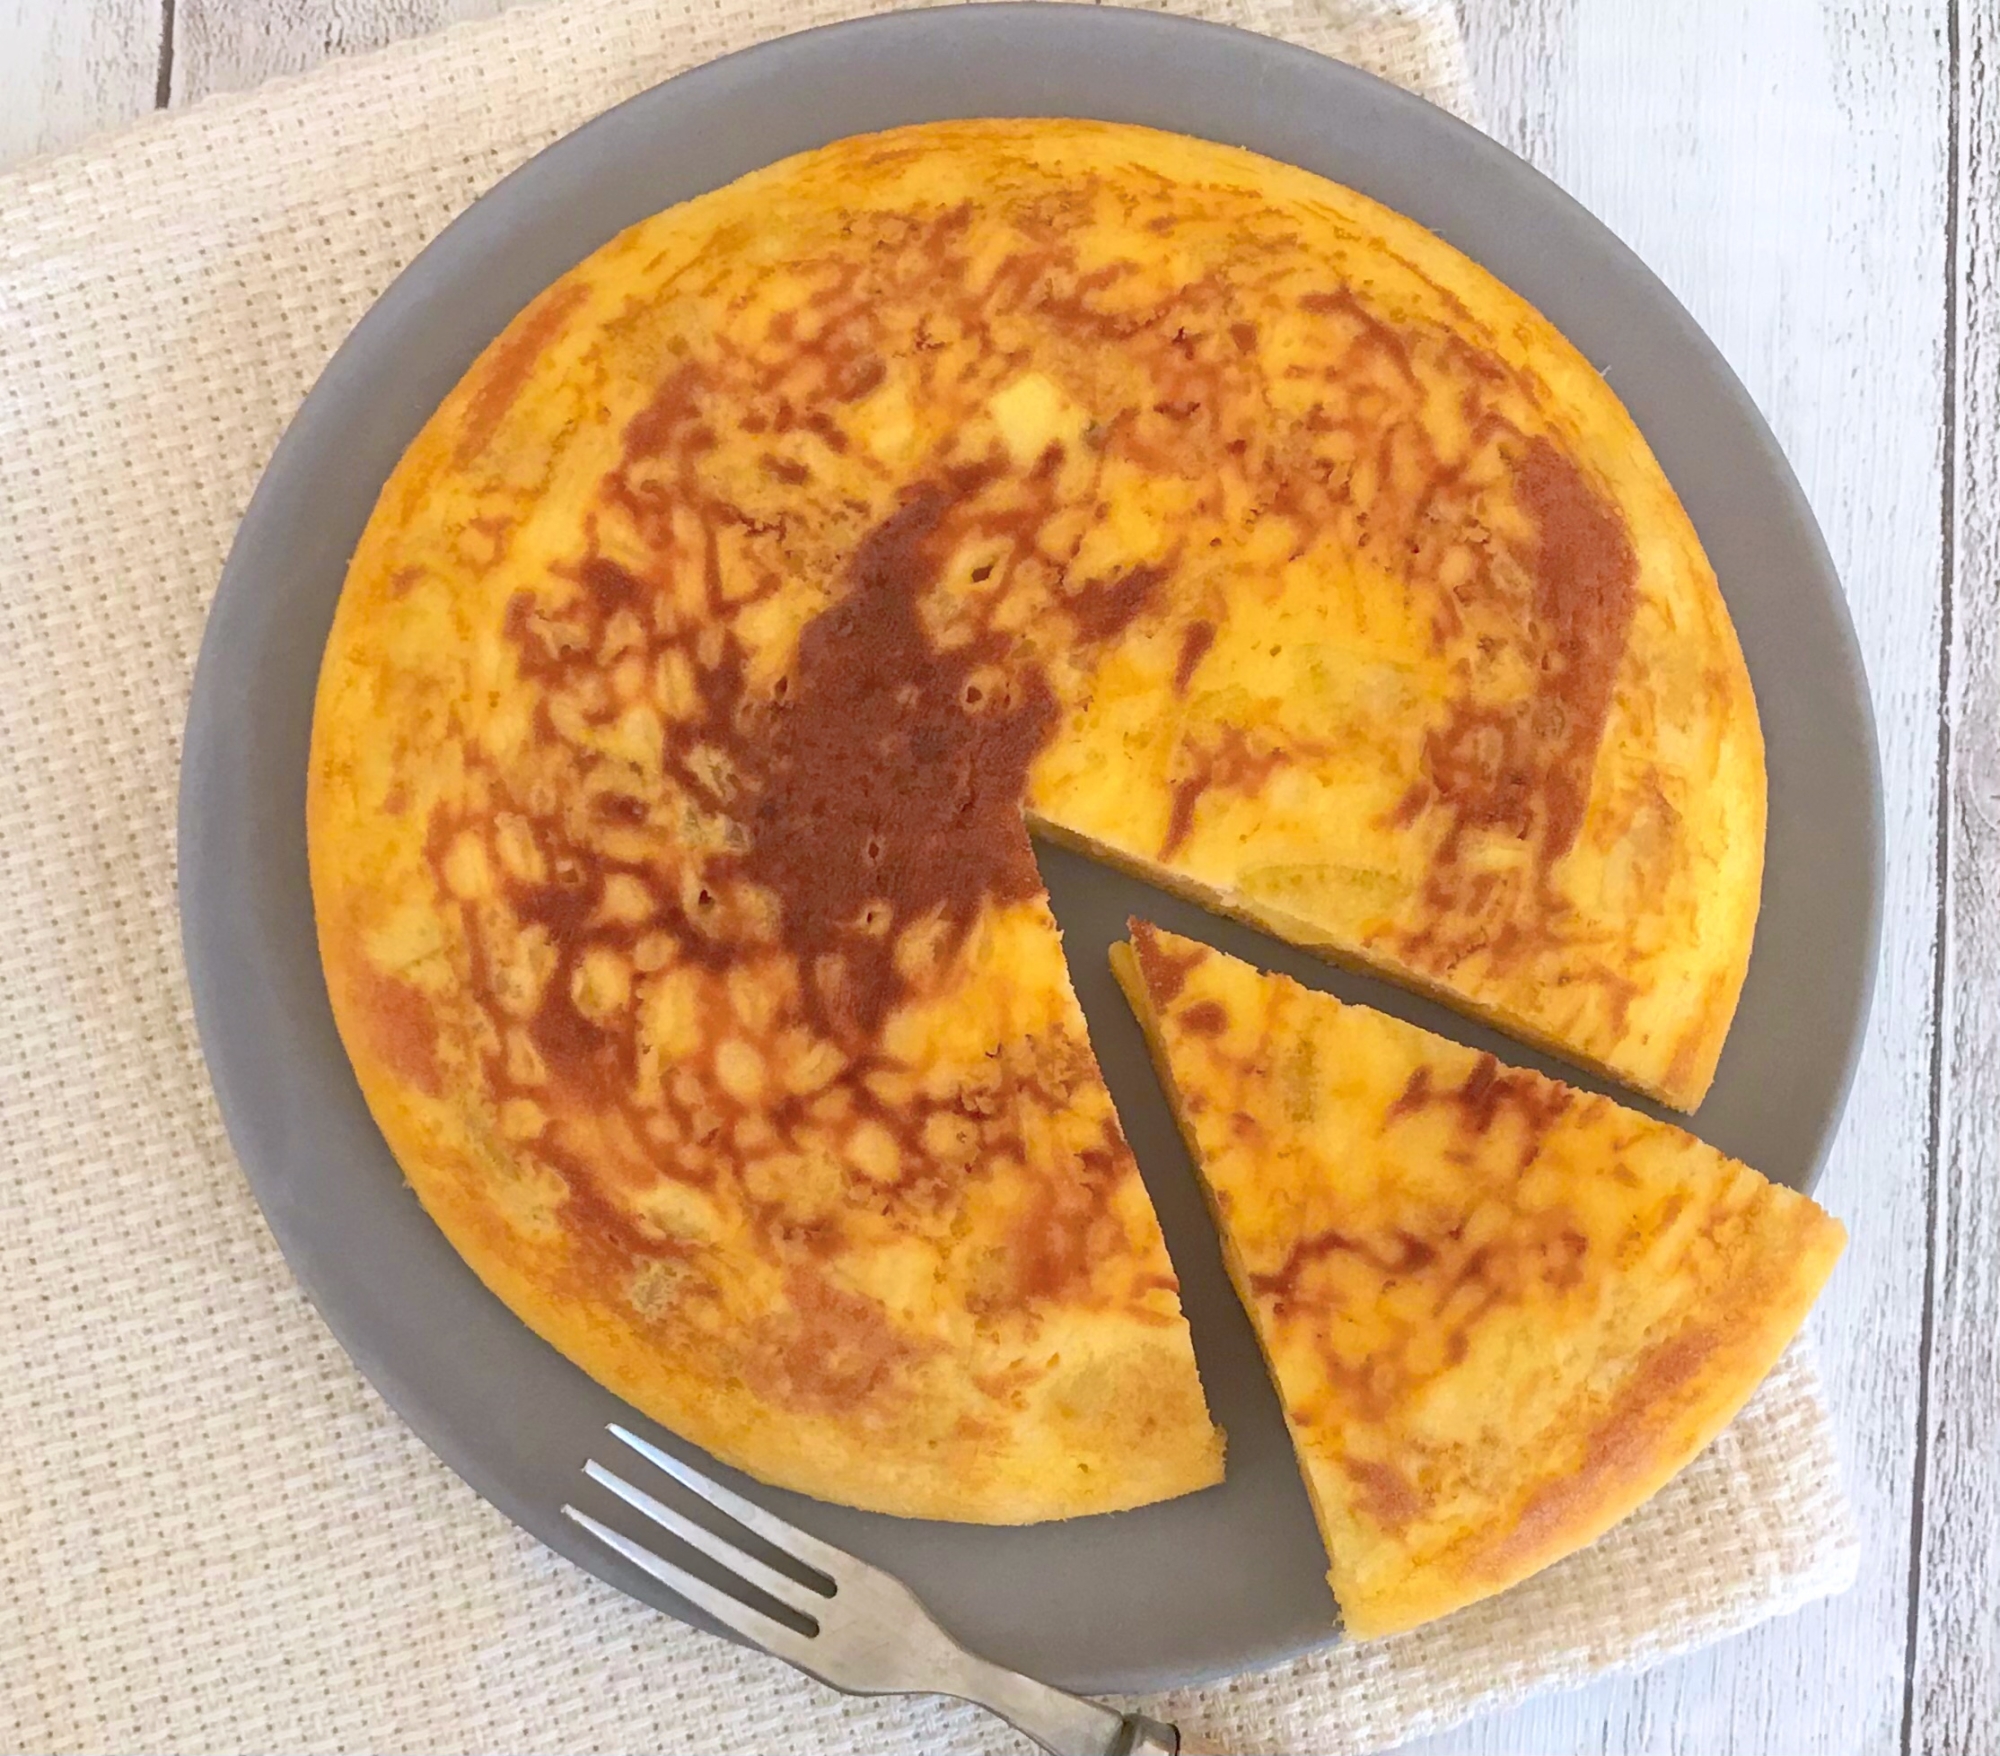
<point>229,621</point>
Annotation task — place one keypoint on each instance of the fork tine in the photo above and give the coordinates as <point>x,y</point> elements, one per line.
<point>713,1544</point>
<point>732,1612</point>
<point>768,1525</point>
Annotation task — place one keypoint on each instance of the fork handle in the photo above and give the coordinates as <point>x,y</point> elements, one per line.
<point>1062,1723</point>
<point>1150,1737</point>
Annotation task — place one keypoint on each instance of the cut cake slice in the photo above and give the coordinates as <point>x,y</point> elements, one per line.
<point>1500,1313</point>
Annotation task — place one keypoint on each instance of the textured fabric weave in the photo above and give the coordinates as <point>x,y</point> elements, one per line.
<point>213,1536</point>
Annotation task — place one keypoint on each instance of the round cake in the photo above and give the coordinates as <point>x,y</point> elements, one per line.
<point>714,648</point>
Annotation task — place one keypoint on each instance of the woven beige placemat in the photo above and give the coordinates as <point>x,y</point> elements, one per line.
<point>212,1535</point>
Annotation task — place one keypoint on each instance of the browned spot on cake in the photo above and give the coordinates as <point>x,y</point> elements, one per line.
<point>1537,1250</point>
<point>605,1237</point>
<point>1180,811</point>
<point>1229,764</point>
<point>502,373</point>
<point>829,1351</point>
<point>1385,1494</point>
<point>1412,1098</point>
<point>879,785</point>
<point>1105,608</point>
<point>1585,589</point>
<point>1205,1018</point>
<point>854,379</point>
<point>1371,334</point>
<point>1488,1093</point>
<point>1401,1254</point>
<point>1491,1090</point>
<point>1622,1445</point>
<point>1196,639</point>
<point>1067,1228</point>
<point>1527,767</point>
<point>1164,971</point>
<point>401,1026</point>
<point>1523,768</point>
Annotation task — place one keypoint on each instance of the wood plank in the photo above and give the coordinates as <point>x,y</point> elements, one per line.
<point>1955,1688</point>
<point>231,45</point>
<point>71,68</point>
<point>1784,166</point>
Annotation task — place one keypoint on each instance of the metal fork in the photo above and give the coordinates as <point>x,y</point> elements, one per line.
<point>870,1635</point>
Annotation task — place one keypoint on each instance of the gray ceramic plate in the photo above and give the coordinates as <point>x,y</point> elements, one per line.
<point>1229,1578</point>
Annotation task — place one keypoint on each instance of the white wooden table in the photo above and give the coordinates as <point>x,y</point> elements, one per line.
<point>1819,180</point>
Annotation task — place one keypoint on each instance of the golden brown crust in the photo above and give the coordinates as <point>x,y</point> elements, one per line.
<point>1500,1313</point>
<point>693,675</point>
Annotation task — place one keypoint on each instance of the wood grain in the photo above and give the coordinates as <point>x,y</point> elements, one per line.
<point>69,68</point>
<point>231,45</point>
<point>1784,166</point>
<point>1955,1687</point>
